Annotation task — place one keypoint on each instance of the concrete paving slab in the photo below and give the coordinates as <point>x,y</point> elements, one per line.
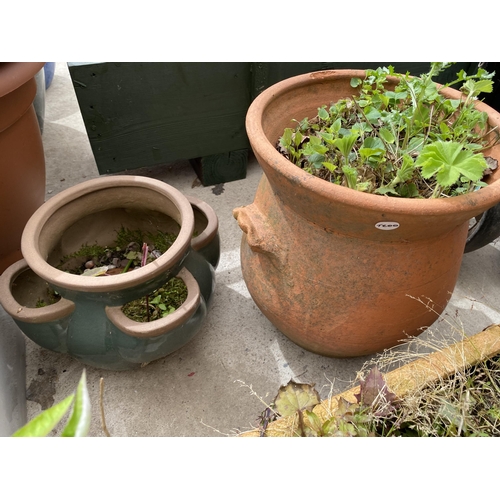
<point>204,388</point>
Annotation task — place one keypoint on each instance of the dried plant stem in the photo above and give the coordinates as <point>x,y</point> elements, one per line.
<point>101,397</point>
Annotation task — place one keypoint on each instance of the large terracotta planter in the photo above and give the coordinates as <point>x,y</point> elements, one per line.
<point>88,321</point>
<point>336,270</point>
<point>22,162</point>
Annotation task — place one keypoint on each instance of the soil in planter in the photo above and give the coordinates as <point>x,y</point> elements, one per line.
<point>125,254</point>
<point>50,297</point>
<point>131,250</point>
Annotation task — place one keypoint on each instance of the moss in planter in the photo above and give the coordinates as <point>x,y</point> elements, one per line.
<point>125,250</point>
<point>162,302</point>
<point>125,255</point>
<point>50,297</point>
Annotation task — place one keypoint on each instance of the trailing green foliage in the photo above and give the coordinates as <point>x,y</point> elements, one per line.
<point>78,424</point>
<point>409,141</point>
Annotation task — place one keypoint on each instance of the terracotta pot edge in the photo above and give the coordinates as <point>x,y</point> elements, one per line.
<point>15,74</point>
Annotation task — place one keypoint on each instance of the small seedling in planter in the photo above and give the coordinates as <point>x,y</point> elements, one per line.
<point>162,302</point>
<point>51,298</point>
<point>409,142</point>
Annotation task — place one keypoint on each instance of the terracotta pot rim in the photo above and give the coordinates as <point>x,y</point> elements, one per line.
<point>15,74</point>
<point>31,253</point>
<point>482,199</point>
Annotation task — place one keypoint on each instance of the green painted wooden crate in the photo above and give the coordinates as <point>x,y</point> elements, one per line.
<point>147,114</point>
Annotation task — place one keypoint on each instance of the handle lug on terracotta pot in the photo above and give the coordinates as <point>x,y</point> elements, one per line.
<point>260,236</point>
<point>163,325</point>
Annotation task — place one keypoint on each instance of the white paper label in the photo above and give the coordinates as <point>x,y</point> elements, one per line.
<point>387,226</point>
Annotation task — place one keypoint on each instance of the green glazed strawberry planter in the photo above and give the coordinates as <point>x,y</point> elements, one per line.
<point>88,322</point>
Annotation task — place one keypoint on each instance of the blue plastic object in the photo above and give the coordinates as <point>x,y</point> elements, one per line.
<point>49,69</point>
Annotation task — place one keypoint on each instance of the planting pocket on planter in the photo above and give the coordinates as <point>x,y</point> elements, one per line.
<point>41,315</point>
<point>142,342</point>
<point>166,324</point>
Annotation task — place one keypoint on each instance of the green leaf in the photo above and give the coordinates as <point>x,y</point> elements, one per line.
<point>372,114</point>
<point>316,158</point>
<point>421,114</point>
<point>323,114</point>
<point>133,255</point>
<point>170,310</point>
<point>286,138</point>
<point>293,396</point>
<point>336,126</point>
<point>351,175</point>
<point>415,144</point>
<point>386,190</point>
<point>396,96</point>
<point>387,135</point>
<point>156,300</point>
<point>474,88</point>
<point>373,143</point>
<point>356,82</point>
<point>345,144</point>
<point>448,160</point>
<point>405,173</point>
<point>297,139</point>
<point>314,421</point>
<point>328,138</point>
<point>79,422</point>
<point>330,166</point>
<point>42,424</point>
<point>361,127</point>
<point>445,130</point>
<point>408,191</point>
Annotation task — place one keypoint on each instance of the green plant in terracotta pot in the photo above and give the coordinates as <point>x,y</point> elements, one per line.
<point>412,142</point>
<point>366,204</point>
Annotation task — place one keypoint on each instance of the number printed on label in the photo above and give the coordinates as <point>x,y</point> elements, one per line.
<point>387,226</point>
